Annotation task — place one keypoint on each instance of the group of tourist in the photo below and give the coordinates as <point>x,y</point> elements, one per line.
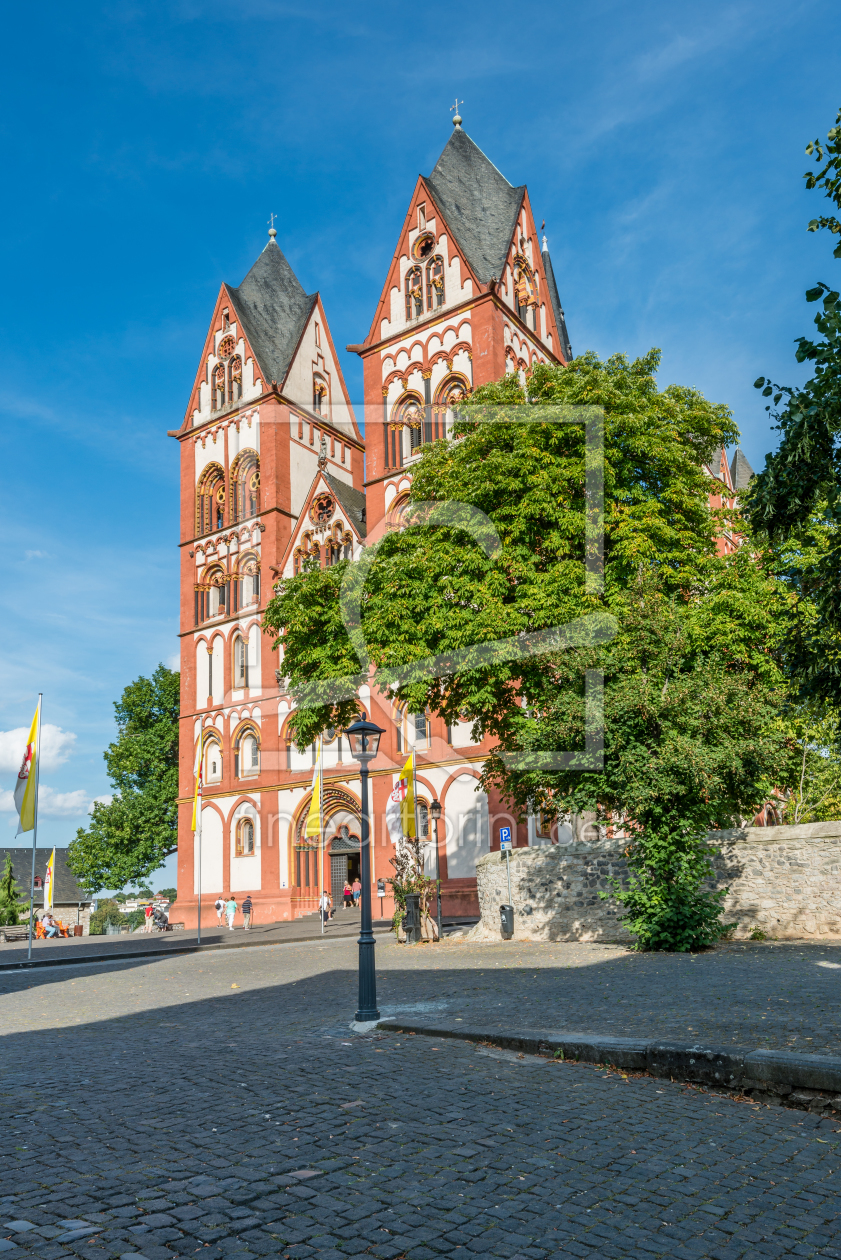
<point>226,909</point>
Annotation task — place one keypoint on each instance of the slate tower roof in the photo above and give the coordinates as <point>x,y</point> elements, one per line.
<point>273,309</point>
<point>554,297</point>
<point>740,470</point>
<point>479,204</point>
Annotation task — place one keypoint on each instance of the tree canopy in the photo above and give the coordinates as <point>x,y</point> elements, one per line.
<point>131,837</point>
<point>796,499</point>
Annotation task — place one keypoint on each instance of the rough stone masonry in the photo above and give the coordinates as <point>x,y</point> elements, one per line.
<point>783,881</point>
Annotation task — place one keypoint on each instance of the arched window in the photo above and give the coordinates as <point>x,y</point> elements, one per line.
<point>408,413</point>
<point>218,383</point>
<point>297,560</point>
<point>240,663</point>
<point>235,374</point>
<point>423,820</point>
<point>319,396</point>
<point>247,754</point>
<point>525,296</point>
<point>212,760</point>
<point>210,500</point>
<point>217,593</point>
<point>414,293</point>
<point>245,486</point>
<point>249,581</point>
<point>450,393</point>
<point>245,838</point>
<point>435,282</point>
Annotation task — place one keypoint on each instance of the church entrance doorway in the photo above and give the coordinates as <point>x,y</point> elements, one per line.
<point>344,862</point>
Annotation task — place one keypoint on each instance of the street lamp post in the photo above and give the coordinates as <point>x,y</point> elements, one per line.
<point>435,814</point>
<point>364,739</point>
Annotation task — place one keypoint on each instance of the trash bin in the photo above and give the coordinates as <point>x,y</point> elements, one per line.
<point>78,929</point>
<point>506,922</point>
<point>412,919</point>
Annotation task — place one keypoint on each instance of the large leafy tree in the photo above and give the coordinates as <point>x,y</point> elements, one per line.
<point>434,591</point>
<point>796,500</point>
<point>465,623</point>
<point>131,837</point>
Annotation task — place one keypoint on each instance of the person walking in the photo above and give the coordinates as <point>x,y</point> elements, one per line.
<point>246,913</point>
<point>326,902</point>
<point>230,911</point>
<point>357,892</point>
<point>219,907</point>
<point>347,895</point>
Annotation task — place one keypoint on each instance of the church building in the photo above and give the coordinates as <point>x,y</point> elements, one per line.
<point>275,469</point>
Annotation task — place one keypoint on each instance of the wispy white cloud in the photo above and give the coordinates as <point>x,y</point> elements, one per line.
<point>52,804</point>
<point>56,746</point>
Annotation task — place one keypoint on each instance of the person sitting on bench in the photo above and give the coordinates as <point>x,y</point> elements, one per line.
<point>49,925</point>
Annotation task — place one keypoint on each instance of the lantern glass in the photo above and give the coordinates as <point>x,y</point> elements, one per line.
<point>435,810</point>
<point>364,739</point>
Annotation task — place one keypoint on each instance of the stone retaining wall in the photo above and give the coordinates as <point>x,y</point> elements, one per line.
<point>783,881</point>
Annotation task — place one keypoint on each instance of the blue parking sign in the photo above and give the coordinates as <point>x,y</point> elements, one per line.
<point>505,838</point>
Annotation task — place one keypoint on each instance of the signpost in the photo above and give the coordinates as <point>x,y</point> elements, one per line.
<point>506,844</point>
<point>381,893</point>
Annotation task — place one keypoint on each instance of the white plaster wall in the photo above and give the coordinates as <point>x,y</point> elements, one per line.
<point>303,465</point>
<point>311,357</point>
<point>210,452</point>
<point>218,669</point>
<point>455,290</point>
<point>254,679</point>
<point>202,680</point>
<point>468,833</point>
<point>211,854</point>
<point>248,438</point>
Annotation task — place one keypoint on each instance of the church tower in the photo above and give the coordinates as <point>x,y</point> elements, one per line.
<point>469,295</point>
<point>269,412</point>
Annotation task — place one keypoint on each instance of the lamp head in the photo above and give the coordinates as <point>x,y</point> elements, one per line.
<point>435,810</point>
<point>364,739</point>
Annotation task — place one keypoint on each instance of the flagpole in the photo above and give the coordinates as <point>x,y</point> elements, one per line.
<point>34,829</point>
<point>197,832</point>
<point>321,833</point>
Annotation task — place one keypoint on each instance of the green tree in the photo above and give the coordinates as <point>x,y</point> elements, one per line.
<point>169,893</point>
<point>796,499</point>
<point>108,911</point>
<point>434,591</point>
<point>133,835</point>
<point>10,896</point>
<point>692,675</point>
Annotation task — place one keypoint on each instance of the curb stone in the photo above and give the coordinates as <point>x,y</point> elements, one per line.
<point>807,1082</point>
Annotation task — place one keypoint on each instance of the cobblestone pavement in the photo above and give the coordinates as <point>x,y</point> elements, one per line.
<point>158,1108</point>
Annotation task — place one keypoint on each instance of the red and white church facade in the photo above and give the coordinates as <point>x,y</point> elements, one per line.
<point>275,468</point>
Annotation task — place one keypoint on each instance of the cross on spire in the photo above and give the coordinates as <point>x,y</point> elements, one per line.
<point>456,115</point>
<point>270,221</point>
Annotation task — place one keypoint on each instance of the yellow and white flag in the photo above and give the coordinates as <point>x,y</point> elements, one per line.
<point>49,883</point>
<point>313,827</point>
<point>25,788</point>
<point>400,807</point>
<point>196,823</point>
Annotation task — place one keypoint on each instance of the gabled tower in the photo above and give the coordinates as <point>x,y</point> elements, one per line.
<point>470,294</point>
<point>268,399</point>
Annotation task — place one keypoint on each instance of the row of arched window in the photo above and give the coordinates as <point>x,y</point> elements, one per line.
<point>430,296</point>
<point>226,377</point>
<point>246,749</point>
<point>212,494</point>
<point>525,292</point>
<point>224,594</point>
<point>337,546</point>
<point>244,673</point>
<point>423,420</point>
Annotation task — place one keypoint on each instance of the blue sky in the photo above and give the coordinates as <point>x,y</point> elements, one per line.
<point>145,147</point>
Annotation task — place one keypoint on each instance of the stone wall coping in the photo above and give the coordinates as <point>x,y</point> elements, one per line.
<point>774,835</point>
<point>728,1067</point>
<point>735,835</point>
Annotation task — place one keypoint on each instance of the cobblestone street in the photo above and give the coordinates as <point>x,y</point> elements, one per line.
<point>161,1108</point>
